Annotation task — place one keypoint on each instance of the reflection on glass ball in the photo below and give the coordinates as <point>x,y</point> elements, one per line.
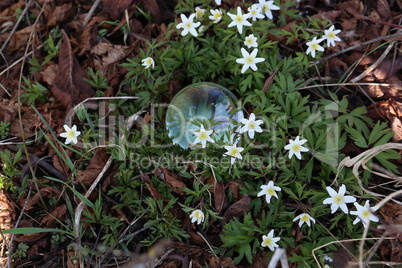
<point>199,101</point>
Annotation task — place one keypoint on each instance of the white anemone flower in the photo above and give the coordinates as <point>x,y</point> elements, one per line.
<point>251,125</point>
<point>249,60</point>
<point>188,25</point>
<point>148,62</point>
<point>304,218</point>
<point>197,216</point>
<point>270,241</point>
<point>199,12</point>
<point>216,15</point>
<point>269,190</point>
<point>218,2</point>
<point>71,134</point>
<point>364,214</point>
<point>239,20</point>
<point>266,7</point>
<point>233,152</point>
<point>203,136</point>
<point>295,147</point>
<point>251,41</point>
<point>330,36</point>
<point>255,12</point>
<point>338,199</point>
<point>314,46</point>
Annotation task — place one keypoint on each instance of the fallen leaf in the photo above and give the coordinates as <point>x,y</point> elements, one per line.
<point>388,68</point>
<point>110,54</point>
<point>60,14</point>
<point>95,166</point>
<point>145,178</point>
<point>72,259</point>
<point>70,88</point>
<point>383,9</point>
<point>19,39</point>
<point>172,180</point>
<point>259,260</point>
<point>392,213</point>
<point>153,7</point>
<point>214,262</point>
<point>34,199</point>
<point>89,36</point>
<point>58,213</point>
<point>49,73</point>
<point>234,187</point>
<point>237,209</point>
<point>38,248</point>
<point>115,7</point>
<point>396,127</point>
<point>7,214</point>
<point>220,199</point>
<point>328,15</point>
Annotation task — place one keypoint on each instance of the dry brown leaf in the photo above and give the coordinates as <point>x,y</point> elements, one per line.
<point>145,178</point>
<point>396,127</point>
<point>330,15</point>
<point>237,209</point>
<point>235,189</point>
<point>34,199</point>
<point>383,9</point>
<point>89,37</point>
<point>220,199</point>
<point>115,7</point>
<point>58,213</point>
<point>388,68</point>
<point>70,88</point>
<point>60,14</point>
<point>152,6</point>
<point>19,39</point>
<point>95,166</point>
<point>72,257</point>
<point>49,72</point>
<point>38,248</point>
<point>172,180</point>
<point>110,54</point>
<point>7,214</point>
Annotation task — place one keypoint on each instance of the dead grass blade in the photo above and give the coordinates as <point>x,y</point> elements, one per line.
<point>363,158</point>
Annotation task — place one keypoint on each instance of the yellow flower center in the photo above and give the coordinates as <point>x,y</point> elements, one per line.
<point>265,8</point>
<point>149,62</point>
<point>234,152</point>
<point>217,15</point>
<point>253,12</point>
<point>271,191</point>
<point>314,46</point>
<point>296,148</point>
<point>70,134</point>
<point>252,125</point>
<point>239,19</point>
<point>198,215</point>
<point>305,218</point>
<point>338,199</point>
<point>203,136</point>
<point>188,25</point>
<point>200,13</point>
<point>331,35</point>
<point>250,59</point>
<point>268,241</point>
<point>365,214</point>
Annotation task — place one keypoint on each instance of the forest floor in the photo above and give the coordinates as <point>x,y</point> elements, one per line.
<point>82,204</point>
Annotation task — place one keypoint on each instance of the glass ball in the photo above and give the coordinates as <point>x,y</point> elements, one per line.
<point>200,101</point>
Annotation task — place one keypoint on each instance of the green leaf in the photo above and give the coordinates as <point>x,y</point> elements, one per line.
<point>357,137</point>
<point>34,230</point>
